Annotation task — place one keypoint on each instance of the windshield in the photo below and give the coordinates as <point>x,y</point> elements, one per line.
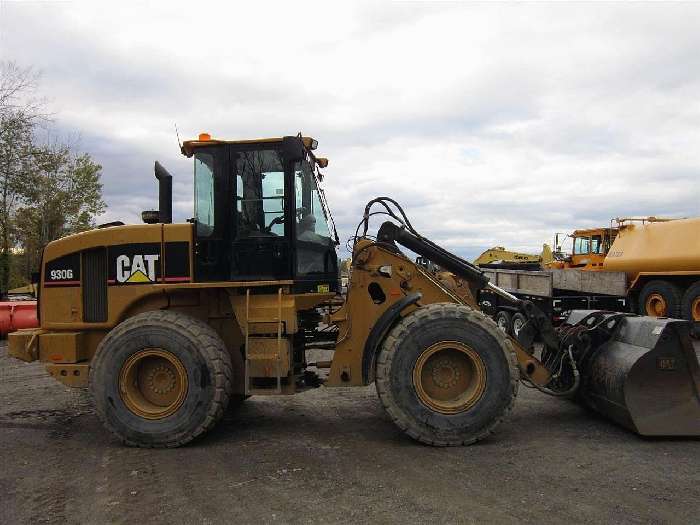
<point>581,245</point>
<point>312,222</point>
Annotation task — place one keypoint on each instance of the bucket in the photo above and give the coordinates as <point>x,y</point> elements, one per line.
<point>646,377</point>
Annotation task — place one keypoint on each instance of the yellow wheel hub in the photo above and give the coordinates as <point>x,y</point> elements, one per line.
<point>153,383</point>
<point>449,377</point>
<point>695,309</point>
<point>656,306</point>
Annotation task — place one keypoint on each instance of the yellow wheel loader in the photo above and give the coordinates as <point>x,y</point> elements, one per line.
<point>168,324</point>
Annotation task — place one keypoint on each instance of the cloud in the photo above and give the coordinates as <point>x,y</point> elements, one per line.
<point>493,124</point>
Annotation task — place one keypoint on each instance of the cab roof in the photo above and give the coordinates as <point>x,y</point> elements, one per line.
<point>204,139</point>
<point>592,231</point>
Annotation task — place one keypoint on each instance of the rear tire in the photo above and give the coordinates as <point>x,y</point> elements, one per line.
<point>504,321</point>
<point>446,375</point>
<point>691,303</point>
<point>660,299</point>
<point>160,379</point>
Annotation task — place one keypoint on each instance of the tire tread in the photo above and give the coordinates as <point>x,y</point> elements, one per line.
<point>434,312</point>
<point>213,351</point>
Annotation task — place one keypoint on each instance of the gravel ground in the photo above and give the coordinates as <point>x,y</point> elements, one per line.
<point>330,456</point>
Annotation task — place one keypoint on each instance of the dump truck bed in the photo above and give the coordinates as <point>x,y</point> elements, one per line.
<point>557,292</point>
<point>547,283</point>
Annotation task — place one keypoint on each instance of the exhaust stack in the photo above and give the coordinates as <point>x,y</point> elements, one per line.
<point>165,193</point>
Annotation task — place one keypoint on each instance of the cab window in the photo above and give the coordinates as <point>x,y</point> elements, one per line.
<point>312,223</point>
<point>597,244</point>
<point>313,234</point>
<point>581,245</point>
<point>259,193</point>
<point>204,193</point>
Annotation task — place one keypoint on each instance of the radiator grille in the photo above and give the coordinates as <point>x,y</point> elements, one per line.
<point>94,285</point>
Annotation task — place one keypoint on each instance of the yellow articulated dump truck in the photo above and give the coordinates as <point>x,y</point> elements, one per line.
<point>660,259</point>
<point>169,324</point>
<point>662,262</point>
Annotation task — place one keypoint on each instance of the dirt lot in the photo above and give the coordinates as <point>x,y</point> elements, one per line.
<point>330,455</point>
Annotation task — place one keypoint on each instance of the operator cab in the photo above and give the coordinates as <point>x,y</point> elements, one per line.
<point>588,247</point>
<point>260,213</point>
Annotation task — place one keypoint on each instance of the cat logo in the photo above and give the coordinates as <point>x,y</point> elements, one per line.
<point>137,269</point>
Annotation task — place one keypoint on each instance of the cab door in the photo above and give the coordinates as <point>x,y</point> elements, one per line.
<point>212,215</point>
<point>261,247</point>
<point>581,252</point>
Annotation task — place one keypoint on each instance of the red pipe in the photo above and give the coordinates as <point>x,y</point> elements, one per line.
<point>17,314</point>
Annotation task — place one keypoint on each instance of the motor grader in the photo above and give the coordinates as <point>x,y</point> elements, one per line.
<point>168,324</point>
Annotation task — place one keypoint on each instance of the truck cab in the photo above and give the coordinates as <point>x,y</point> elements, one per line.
<point>588,249</point>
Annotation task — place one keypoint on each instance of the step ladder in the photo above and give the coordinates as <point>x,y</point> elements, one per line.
<point>249,389</point>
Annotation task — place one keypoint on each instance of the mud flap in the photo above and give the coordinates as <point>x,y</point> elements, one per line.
<point>647,377</point>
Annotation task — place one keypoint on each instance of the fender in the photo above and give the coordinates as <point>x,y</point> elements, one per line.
<point>379,331</point>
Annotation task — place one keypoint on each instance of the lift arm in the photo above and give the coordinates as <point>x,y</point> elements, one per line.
<point>539,323</point>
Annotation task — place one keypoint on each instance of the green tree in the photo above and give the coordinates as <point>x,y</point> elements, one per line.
<point>64,197</point>
<point>16,153</point>
<point>20,112</point>
<point>46,189</point>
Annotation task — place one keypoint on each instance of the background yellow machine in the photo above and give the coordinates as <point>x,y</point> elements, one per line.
<point>168,324</point>
<point>659,257</point>
<point>499,257</point>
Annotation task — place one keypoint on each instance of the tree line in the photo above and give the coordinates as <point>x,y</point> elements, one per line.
<point>47,188</point>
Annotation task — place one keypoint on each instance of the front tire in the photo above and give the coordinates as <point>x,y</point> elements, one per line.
<point>160,379</point>
<point>446,375</point>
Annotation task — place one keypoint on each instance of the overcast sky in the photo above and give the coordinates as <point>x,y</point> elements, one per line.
<point>492,124</point>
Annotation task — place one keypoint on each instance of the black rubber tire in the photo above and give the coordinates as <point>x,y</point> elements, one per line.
<point>517,318</point>
<point>205,359</point>
<point>690,296</point>
<point>504,321</point>
<point>410,338</point>
<point>671,293</point>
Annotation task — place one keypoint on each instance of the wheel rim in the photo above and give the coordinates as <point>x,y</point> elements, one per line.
<point>449,377</point>
<point>517,326</point>
<point>502,323</point>
<point>655,305</point>
<point>695,309</point>
<point>153,383</point>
